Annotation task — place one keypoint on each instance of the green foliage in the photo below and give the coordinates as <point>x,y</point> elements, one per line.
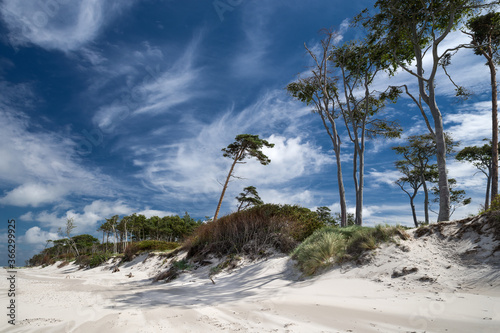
<point>331,245</point>
<point>494,206</point>
<point>181,265</point>
<point>325,216</point>
<point>246,145</point>
<point>480,157</point>
<point>249,197</point>
<point>485,33</point>
<point>98,259</point>
<point>254,230</point>
<point>319,250</point>
<point>154,245</point>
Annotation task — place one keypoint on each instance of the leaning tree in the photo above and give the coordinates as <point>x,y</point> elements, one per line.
<point>244,146</point>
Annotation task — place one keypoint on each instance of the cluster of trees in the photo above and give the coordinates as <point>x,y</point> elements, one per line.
<point>399,35</point>
<point>137,227</point>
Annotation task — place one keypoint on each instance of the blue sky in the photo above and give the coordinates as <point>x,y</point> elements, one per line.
<point>115,107</point>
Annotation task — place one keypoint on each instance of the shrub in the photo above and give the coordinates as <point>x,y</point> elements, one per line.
<point>330,245</point>
<point>98,259</point>
<point>253,230</point>
<point>130,252</point>
<point>181,265</point>
<point>62,264</point>
<point>494,205</point>
<point>319,250</point>
<point>83,261</point>
<point>155,245</point>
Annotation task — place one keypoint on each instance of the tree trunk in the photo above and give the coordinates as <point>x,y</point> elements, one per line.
<point>225,186</point>
<point>488,186</point>
<point>343,205</point>
<point>494,137</point>
<point>426,198</point>
<point>413,212</point>
<point>444,190</point>
<point>429,98</point>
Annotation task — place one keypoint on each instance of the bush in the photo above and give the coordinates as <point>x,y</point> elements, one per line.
<point>155,245</point>
<point>83,261</point>
<point>130,251</point>
<point>330,245</point>
<point>98,259</point>
<point>254,230</point>
<point>319,250</point>
<point>494,205</point>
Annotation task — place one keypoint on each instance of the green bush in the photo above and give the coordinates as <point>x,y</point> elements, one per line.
<point>331,245</point>
<point>319,250</point>
<point>155,245</point>
<point>98,259</point>
<point>494,205</point>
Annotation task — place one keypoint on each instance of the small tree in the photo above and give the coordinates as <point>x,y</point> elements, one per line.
<point>246,145</point>
<point>325,216</point>
<point>412,178</point>
<point>70,225</point>
<point>481,158</point>
<point>418,154</point>
<point>457,197</point>
<point>249,197</point>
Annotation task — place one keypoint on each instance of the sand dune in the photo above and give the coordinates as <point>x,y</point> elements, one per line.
<point>444,279</point>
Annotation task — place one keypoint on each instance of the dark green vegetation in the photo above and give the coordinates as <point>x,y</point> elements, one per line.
<point>130,235</point>
<point>330,245</point>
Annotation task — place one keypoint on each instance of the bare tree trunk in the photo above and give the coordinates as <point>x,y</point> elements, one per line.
<point>413,212</point>
<point>426,196</point>
<point>225,187</point>
<point>429,98</point>
<point>488,186</point>
<point>494,137</point>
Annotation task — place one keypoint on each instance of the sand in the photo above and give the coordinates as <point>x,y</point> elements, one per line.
<point>449,286</point>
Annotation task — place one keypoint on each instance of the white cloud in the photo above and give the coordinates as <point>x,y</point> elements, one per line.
<point>375,178</point>
<point>470,128</point>
<point>195,166</point>
<point>153,212</point>
<point>148,90</point>
<point>287,195</point>
<point>40,167</point>
<point>35,235</point>
<point>290,158</point>
<point>58,24</point>
<point>29,194</point>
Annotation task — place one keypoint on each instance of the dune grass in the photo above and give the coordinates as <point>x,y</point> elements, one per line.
<point>330,245</point>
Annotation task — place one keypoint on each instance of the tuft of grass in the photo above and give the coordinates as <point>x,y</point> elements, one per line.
<point>181,265</point>
<point>319,250</point>
<point>147,245</point>
<point>331,245</point>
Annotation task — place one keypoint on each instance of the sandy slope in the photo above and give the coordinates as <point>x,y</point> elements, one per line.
<point>452,284</point>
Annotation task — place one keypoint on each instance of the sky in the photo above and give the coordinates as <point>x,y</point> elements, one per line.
<point>123,106</point>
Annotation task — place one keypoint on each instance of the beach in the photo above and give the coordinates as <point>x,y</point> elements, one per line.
<point>423,284</point>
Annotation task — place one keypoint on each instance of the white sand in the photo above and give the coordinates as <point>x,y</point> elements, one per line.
<point>266,296</point>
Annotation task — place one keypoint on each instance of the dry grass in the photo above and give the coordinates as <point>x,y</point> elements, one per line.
<point>253,231</point>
